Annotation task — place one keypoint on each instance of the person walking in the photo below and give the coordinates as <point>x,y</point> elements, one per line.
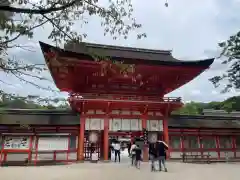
<point>138,156</point>
<point>129,149</point>
<point>117,148</point>
<point>153,155</point>
<point>110,149</point>
<point>162,147</point>
<point>132,152</point>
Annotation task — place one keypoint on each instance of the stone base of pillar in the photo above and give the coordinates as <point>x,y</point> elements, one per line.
<point>80,161</point>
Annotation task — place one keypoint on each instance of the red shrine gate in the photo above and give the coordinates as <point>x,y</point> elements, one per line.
<point>122,117</point>
<point>122,91</point>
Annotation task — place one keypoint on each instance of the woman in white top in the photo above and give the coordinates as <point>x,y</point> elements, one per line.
<point>117,148</point>
<point>132,152</point>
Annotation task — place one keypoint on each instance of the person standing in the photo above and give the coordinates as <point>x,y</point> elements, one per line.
<point>153,155</point>
<point>138,156</point>
<point>110,149</point>
<point>129,149</point>
<point>132,152</point>
<point>162,147</point>
<point>117,148</point>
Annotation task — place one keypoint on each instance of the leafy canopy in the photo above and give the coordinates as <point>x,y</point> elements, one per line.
<point>196,108</point>
<point>20,18</point>
<point>231,53</point>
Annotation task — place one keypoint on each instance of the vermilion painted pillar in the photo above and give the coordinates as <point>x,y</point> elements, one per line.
<point>80,152</point>
<point>165,134</point>
<point>234,146</point>
<point>105,138</point>
<point>182,143</point>
<point>200,143</point>
<point>218,145</point>
<point>145,148</point>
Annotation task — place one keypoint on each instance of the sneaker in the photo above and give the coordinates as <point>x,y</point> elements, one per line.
<point>166,170</point>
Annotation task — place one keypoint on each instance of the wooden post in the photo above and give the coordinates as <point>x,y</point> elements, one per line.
<point>200,142</point>
<point>80,152</point>
<point>145,147</point>
<point>36,150</point>
<point>30,149</point>
<point>182,143</point>
<point>165,134</point>
<point>2,151</point>
<point>105,138</point>
<point>217,140</point>
<point>234,146</point>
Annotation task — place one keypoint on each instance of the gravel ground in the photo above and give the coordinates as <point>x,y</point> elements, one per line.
<point>107,171</point>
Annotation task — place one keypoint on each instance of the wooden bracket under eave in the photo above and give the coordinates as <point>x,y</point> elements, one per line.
<point>145,109</point>
<point>108,108</point>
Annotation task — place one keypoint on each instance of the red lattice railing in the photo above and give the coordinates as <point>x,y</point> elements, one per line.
<point>124,97</point>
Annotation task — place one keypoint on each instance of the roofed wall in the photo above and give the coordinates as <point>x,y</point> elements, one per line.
<point>63,117</point>
<point>213,112</point>
<point>38,117</point>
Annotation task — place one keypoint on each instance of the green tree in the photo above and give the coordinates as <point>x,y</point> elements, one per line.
<point>231,55</point>
<point>31,102</point>
<point>196,108</point>
<point>192,108</point>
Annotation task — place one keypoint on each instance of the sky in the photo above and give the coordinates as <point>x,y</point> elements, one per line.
<point>191,29</point>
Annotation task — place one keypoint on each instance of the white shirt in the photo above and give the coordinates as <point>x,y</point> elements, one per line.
<point>94,156</point>
<point>132,147</point>
<point>116,146</point>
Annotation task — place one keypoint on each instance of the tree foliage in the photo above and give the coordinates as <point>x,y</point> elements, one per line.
<point>13,101</point>
<point>231,55</point>
<point>19,18</point>
<point>196,108</point>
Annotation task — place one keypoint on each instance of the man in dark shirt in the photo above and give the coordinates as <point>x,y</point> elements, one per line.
<point>162,147</point>
<point>153,155</point>
<point>129,149</point>
<point>138,156</point>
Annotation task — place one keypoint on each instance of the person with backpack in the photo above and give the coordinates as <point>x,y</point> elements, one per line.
<point>138,156</point>
<point>162,147</point>
<point>153,155</point>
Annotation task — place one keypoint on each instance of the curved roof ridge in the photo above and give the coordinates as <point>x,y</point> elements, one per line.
<point>139,57</point>
<point>128,48</point>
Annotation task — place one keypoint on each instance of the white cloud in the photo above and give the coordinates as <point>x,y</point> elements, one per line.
<point>195,92</point>
<point>192,29</point>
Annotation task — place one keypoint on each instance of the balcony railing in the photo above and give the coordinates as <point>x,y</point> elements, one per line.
<point>124,97</point>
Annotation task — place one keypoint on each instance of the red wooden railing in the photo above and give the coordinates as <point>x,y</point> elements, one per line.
<point>124,97</point>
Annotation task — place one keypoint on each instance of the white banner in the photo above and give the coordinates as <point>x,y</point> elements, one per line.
<point>94,124</point>
<point>52,143</point>
<point>155,125</point>
<point>125,125</point>
<point>116,124</point>
<point>12,142</point>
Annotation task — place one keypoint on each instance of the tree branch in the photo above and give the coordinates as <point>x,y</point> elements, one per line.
<point>51,21</point>
<point>20,68</point>
<point>22,33</point>
<point>38,11</point>
<point>34,84</point>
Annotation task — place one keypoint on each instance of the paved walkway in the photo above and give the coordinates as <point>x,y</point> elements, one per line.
<point>116,171</point>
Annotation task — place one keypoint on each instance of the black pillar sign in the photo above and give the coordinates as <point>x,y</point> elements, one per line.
<point>145,136</point>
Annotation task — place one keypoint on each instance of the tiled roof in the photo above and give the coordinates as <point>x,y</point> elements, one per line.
<point>175,121</point>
